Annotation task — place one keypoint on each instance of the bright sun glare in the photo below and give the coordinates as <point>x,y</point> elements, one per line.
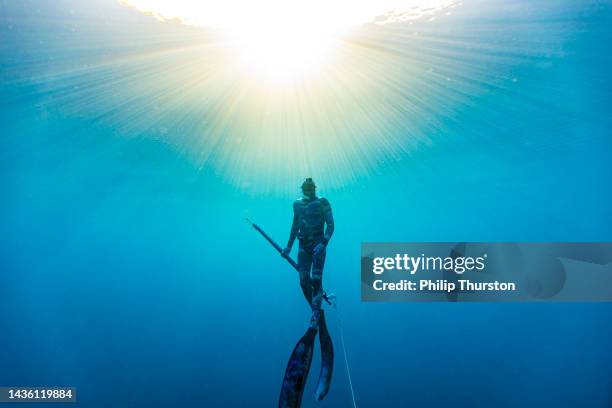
<point>285,39</point>
<point>281,50</point>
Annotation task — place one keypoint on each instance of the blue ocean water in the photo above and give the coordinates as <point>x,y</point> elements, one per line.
<point>128,270</point>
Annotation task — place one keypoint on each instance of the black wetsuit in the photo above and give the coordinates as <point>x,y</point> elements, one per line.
<point>313,224</point>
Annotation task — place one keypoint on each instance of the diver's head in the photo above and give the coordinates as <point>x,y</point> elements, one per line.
<point>309,187</point>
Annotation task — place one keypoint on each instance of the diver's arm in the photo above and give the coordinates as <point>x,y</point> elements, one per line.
<point>294,231</point>
<point>329,221</point>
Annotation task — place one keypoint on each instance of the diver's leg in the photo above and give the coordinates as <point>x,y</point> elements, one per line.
<point>304,264</point>
<point>318,262</point>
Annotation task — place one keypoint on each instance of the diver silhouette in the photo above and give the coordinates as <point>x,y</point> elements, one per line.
<point>313,226</point>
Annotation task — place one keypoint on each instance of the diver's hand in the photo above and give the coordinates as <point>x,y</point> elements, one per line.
<point>319,248</point>
<point>286,251</point>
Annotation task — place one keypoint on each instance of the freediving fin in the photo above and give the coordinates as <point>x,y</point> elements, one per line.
<point>327,360</point>
<point>297,371</point>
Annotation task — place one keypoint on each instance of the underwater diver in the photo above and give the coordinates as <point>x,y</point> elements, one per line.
<point>313,226</point>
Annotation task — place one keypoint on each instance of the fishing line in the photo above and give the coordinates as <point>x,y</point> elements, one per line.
<point>348,370</point>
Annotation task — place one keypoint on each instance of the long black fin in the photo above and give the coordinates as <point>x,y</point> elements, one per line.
<point>327,360</point>
<point>297,370</point>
